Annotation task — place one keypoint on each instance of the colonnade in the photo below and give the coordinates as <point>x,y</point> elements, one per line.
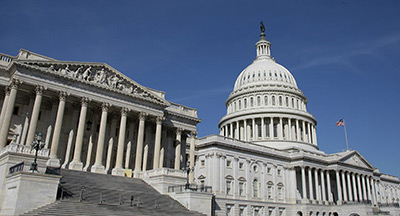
<point>98,166</point>
<point>338,186</point>
<point>270,128</point>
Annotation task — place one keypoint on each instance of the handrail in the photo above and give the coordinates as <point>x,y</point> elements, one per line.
<point>199,188</point>
<point>16,168</point>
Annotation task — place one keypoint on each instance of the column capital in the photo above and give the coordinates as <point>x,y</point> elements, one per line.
<point>7,90</point>
<point>193,133</point>
<point>39,89</point>
<point>85,101</point>
<point>62,95</point>
<point>105,106</point>
<point>179,131</point>
<point>142,116</point>
<point>15,83</point>
<point>124,111</point>
<point>159,120</point>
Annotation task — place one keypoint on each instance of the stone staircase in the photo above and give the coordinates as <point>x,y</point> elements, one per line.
<point>85,193</point>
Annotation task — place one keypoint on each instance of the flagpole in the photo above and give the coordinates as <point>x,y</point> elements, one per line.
<point>345,134</point>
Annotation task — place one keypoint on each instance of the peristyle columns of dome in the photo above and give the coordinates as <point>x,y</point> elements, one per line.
<point>245,130</point>
<point>262,129</point>
<point>289,129</point>
<point>237,130</point>
<point>271,128</point>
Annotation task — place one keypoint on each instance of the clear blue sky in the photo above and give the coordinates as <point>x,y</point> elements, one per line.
<point>343,54</point>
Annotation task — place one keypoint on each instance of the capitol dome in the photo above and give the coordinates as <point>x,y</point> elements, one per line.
<point>266,106</point>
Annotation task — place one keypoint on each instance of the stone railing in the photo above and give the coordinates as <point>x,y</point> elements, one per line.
<point>177,108</point>
<point>5,59</point>
<point>164,171</point>
<point>191,187</point>
<point>24,149</point>
<point>396,205</point>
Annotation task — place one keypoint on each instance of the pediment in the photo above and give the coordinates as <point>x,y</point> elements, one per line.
<point>97,74</point>
<point>356,159</point>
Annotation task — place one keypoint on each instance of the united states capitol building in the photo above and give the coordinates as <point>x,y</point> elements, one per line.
<point>99,123</point>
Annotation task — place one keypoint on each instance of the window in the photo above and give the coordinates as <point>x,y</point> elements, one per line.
<point>266,100</point>
<point>280,100</point>
<point>269,191</point>
<point>287,102</point>
<point>245,103</point>
<point>228,186</point>
<point>240,104</point>
<point>228,163</point>
<point>255,188</point>
<point>241,188</point>
<point>242,210</point>
<point>259,130</point>
<point>251,102</point>
<point>202,163</point>
<point>280,192</point>
<point>275,129</point>
<point>279,172</point>
<point>267,130</point>
<point>273,100</point>
<point>258,100</point>
<point>241,165</point>
<point>292,102</point>
<point>269,170</point>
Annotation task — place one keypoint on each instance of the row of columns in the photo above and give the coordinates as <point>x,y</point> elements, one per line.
<point>350,187</point>
<point>76,163</point>
<point>271,128</point>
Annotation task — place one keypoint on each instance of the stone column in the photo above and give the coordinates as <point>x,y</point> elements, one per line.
<point>315,135</point>
<point>191,155</point>
<point>76,163</point>
<point>5,102</point>
<point>303,182</point>
<point>349,189</point>
<point>304,131</point>
<point>98,166</point>
<point>308,133</point>
<point>310,183</point>
<point>271,128</point>
<point>157,145</point>
<point>177,165</point>
<point>139,145</point>
<point>328,181</point>
<point>28,114</point>
<point>364,189</point>
<point>339,188</point>
<point>262,128</point>
<point>8,112</point>
<point>71,134</point>
<point>368,189</point>
<point>317,191</point>
<point>344,187</point>
<point>118,170</point>
<point>353,178</point>
<point>237,130</point>
<point>359,188</point>
<point>54,161</point>
<point>253,128</point>
<point>35,115</point>
<point>280,129</point>
<point>297,130</point>
<point>289,129</point>
<point>323,186</point>
<point>245,130</point>
<point>374,201</point>
<point>231,129</point>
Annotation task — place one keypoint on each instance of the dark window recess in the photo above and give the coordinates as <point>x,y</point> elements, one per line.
<point>16,110</point>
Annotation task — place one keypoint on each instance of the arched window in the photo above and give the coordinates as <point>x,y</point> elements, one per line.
<point>273,100</point>
<point>281,191</point>
<point>245,103</point>
<point>240,104</point>
<point>270,190</point>
<point>251,102</point>
<point>228,184</point>
<point>287,102</point>
<point>258,100</point>
<point>242,186</point>
<point>255,188</point>
<point>292,102</point>
<point>266,100</point>
<point>280,100</point>
<point>234,106</point>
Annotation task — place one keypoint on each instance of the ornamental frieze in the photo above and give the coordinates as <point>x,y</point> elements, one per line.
<point>94,74</point>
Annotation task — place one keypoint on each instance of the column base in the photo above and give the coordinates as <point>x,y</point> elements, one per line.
<point>76,165</point>
<point>97,168</point>
<point>137,174</point>
<point>305,201</point>
<point>340,202</point>
<point>53,162</point>
<point>118,171</point>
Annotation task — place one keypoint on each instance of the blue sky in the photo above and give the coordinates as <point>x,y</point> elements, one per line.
<point>343,54</point>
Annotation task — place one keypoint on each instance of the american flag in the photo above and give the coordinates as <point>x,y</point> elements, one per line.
<point>340,123</point>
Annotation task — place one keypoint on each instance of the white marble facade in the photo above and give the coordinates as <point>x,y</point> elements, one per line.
<point>92,117</point>
<point>266,160</point>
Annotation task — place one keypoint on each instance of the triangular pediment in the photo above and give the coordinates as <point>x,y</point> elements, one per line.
<point>356,159</point>
<point>97,74</point>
